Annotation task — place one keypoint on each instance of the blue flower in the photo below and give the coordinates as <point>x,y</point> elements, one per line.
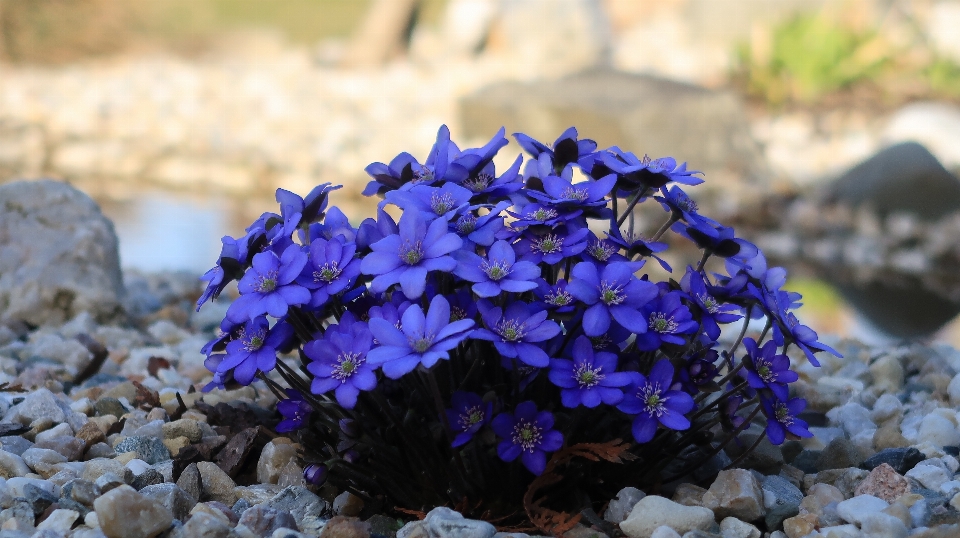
<point>654,403</point>
<point>712,311</point>
<point>614,293</point>
<point>528,434</point>
<point>515,332</point>
<point>479,230</point>
<point>340,361</point>
<point>552,246</point>
<point>668,319</point>
<point>420,340</point>
<point>634,245</point>
<point>601,251</point>
<point>682,206</point>
<point>789,329</point>
<point>295,411</point>
<point>467,415</point>
<point>255,349</point>
<point>634,173</point>
<point>536,214</point>
<point>782,419</point>
<point>445,201</point>
<point>228,268</point>
<point>559,192</point>
<point>484,184</point>
<point>720,241</point>
<point>765,369</point>
<point>498,272</point>
<point>554,297</point>
<point>566,149</point>
<point>590,378</point>
<point>331,269</point>
<point>407,256</point>
<point>269,286</point>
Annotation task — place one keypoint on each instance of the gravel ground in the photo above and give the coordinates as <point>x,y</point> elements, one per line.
<point>95,459</point>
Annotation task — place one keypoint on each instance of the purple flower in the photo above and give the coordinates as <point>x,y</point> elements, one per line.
<point>445,201</point>
<point>295,411</point>
<point>613,293</point>
<point>789,329</point>
<point>712,311</point>
<point>720,241</point>
<point>331,269</point>
<point>536,214</point>
<point>635,245</point>
<point>480,230</point>
<point>782,419</point>
<point>590,378</point>
<point>315,473</point>
<point>634,173</point>
<point>681,205</point>
<point>560,192</point>
<point>554,245</point>
<point>467,415</point>
<point>653,403</point>
<point>269,286</point>
<point>340,361</point>
<point>554,297</point>
<point>498,272</point>
<point>566,149</point>
<point>255,349</point>
<point>420,340</point>
<point>515,332</point>
<point>229,268</point>
<point>528,434</point>
<point>765,369</point>
<point>484,184</point>
<point>667,320</point>
<point>601,251</point>
<point>407,256</point>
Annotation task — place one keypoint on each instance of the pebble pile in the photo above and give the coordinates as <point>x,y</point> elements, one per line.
<point>119,455</point>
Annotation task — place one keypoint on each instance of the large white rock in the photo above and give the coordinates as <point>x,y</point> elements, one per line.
<point>855,509</point>
<point>58,255</point>
<point>654,511</point>
<point>935,125</point>
<point>124,513</point>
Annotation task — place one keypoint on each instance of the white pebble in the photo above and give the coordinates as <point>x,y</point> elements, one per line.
<point>853,510</point>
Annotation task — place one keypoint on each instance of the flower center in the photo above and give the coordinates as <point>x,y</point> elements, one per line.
<point>764,371</point>
<point>511,330</point>
<point>466,224</point>
<point>558,298</point>
<point>661,323</point>
<point>470,417</point>
<point>709,303</point>
<point>600,251</point>
<point>586,376</point>
<point>478,183</point>
<point>441,203</point>
<point>457,313</point>
<point>600,342</point>
<point>423,175</point>
<point>548,244</point>
<point>266,283</point>
<point>497,270</point>
<point>686,204</point>
<point>255,341</point>
<point>654,402</point>
<point>527,435</point>
<point>611,294</point>
<point>327,273</point>
<point>411,254</point>
<point>571,193</point>
<point>347,365</point>
<point>543,214</point>
<point>422,344</point>
<point>782,414</point>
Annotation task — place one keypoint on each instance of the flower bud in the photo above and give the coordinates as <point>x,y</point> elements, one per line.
<point>315,473</point>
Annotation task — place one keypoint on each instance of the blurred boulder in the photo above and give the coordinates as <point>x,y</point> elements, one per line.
<point>552,38</point>
<point>466,25</point>
<point>942,29</point>
<point>639,113</point>
<point>935,125</point>
<point>905,178</point>
<point>58,255</point>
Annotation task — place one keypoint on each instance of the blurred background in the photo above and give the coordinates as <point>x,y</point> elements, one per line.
<point>828,130</point>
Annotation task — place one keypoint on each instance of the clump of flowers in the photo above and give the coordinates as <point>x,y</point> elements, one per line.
<point>446,356</point>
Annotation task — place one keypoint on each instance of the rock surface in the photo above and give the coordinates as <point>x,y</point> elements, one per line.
<point>654,511</point>
<point>59,255</point>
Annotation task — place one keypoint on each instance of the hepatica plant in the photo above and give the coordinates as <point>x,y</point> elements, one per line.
<point>504,319</point>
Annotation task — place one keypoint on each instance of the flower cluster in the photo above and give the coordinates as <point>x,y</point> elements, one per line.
<point>504,316</point>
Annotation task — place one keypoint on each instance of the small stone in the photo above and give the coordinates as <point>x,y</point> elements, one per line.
<point>884,483</point>
<point>100,450</point>
<point>59,520</point>
<point>732,527</point>
<point>654,511</point>
<point>888,436</point>
<point>149,449</point>
<point>12,465</point>
<point>263,521</point>
<point>347,504</point>
<point>232,456</point>
<point>688,495</point>
<point>40,404</point>
<point>853,510</point>
<point>109,406</point>
<point>189,481</point>
<point>735,493</point>
<point>291,475</point>
<point>216,484</point>
<point>442,521</point>
<point>174,498</point>
<point>108,481</point>
<point>885,408</point>
<point>39,499</point>
<point>147,478</point>
<point>781,500</point>
<point>96,468</point>
<point>69,447</point>
<point>665,532</point>
<point>939,431</point>
<point>125,513</point>
<point>900,459</point>
<point>82,491</point>
<point>931,476</point>
<point>618,509</point>
<point>203,524</point>
<point>273,459</point>
<point>841,453</point>
<point>299,502</point>
<point>800,526</point>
